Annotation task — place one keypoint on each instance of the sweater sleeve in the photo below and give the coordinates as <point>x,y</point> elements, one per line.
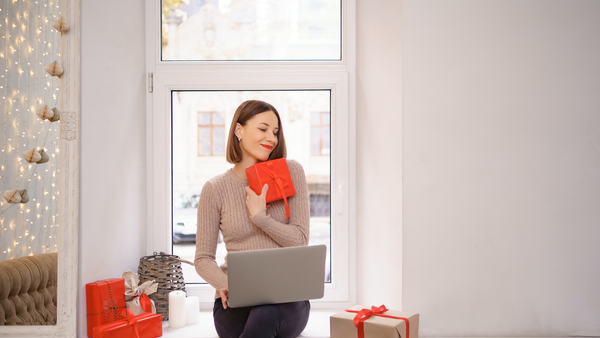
<point>207,237</point>
<point>297,231</point>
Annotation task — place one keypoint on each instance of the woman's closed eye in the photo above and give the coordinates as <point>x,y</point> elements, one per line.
<point>264,130</point>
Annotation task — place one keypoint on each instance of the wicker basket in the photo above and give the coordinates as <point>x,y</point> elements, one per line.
<point>166,270</point>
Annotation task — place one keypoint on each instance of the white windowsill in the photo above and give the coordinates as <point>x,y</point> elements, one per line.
<point>317,327</point>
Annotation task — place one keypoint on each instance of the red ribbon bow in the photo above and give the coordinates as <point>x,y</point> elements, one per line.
<point>133,321</point>
<point>145,303</point>
<point>281,184</point>
<point>364,314</point>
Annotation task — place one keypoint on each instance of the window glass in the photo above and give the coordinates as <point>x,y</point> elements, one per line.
<point>251,30</point>
<point>219,141</point>
<point>320,133</point>
<point>315,118</point>
<point>210,134</point>
<point>204,146</point>
<point>315,140</point>
<point>217,118</point>
<point>204,118</point>
<point>325,141</point>
<point>192,172</point>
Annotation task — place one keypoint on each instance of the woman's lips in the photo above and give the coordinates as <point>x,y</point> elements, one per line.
<point>267,146</point>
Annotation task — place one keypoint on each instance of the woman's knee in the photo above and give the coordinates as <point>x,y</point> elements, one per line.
<point>296,322</point>
<point>229,322</point>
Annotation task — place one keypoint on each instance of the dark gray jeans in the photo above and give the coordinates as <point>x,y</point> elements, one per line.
<point>285,320</point>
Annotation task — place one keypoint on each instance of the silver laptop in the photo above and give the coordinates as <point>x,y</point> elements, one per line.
<point>274,276</point>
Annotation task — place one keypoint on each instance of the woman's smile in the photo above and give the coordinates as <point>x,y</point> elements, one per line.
<point>267,146</point>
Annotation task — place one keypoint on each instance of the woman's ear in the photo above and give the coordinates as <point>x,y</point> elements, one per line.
<point>238,131</point>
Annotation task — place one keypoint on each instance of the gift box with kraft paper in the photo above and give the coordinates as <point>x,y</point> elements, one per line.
<point>379,325</point>
<point>136,294</point>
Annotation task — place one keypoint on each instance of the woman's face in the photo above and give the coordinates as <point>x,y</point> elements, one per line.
<point>259,136</point>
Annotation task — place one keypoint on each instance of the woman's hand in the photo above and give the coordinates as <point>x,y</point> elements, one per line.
<point>224,295</point>
<point>256,203</point>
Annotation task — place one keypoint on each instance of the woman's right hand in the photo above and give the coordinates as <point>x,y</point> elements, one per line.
<point>224,294</point>
<point>256,203</point>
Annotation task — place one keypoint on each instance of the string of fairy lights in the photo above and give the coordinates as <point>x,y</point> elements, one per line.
<point>29,85</point>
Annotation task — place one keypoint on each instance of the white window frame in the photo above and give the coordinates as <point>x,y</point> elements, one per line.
<point>336,76</point>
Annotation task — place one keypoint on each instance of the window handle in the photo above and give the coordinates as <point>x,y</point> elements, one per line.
<point>340,198</point>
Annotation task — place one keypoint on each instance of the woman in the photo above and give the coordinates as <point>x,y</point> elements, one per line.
<point>228,204</point>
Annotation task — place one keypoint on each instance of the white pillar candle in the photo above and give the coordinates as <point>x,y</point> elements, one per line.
<point>192,310</point>
<point>176,309</point>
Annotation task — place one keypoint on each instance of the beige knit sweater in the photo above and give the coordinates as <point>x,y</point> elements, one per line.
<point>223,206</point>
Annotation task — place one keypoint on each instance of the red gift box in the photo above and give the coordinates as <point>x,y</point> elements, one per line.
<point>276,174</point>
<point>105,301</point>
<point>146,325</point>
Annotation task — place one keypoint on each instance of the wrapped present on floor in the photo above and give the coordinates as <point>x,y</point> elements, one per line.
<point>146,325</point>
<point>276,174</point>
<point>105,302</point>
<point>375,322</point>
<point>136,296</point>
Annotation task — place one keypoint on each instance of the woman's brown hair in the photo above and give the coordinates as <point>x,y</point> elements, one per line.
<point>243,113</point>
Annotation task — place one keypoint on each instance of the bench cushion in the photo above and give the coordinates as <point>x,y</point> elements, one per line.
<point>28,290</point>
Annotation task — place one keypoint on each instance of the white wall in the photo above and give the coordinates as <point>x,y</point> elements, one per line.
<point>501,167</point>
<point>113,159</point>
<point>379,153</point>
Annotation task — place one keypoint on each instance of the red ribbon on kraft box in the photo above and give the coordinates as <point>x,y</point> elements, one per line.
<point>272,171</point>
<point>364,314</point>
<point>145,302</point>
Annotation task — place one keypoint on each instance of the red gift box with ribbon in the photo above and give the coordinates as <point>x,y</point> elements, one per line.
<point>105,302</point>
<point>375,322</point>
<point>276,174</point>
<point>146,325</point>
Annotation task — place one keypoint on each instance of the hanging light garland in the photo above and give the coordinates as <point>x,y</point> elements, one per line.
<point>29,85</point>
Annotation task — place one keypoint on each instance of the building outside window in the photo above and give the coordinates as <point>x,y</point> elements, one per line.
<point>320,132</point>
<point>211,134</point>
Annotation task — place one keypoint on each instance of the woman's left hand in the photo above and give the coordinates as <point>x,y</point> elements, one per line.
<point>256,203</point>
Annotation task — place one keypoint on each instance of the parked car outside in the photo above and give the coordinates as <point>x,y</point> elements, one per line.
<point>184,225</point>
